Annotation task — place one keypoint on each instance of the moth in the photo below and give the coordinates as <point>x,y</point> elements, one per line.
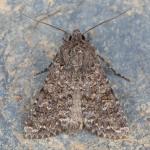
<point>76,94</point>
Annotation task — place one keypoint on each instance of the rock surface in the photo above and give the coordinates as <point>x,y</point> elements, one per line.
<point>27,48</point>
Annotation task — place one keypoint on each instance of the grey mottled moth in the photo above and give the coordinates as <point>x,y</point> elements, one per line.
<point>76,94</point>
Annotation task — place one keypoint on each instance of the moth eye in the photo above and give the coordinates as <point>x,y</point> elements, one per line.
<point>83,37</point>
<point>70,37</point>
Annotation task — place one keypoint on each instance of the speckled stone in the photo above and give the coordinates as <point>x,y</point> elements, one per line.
<point>26,49</point>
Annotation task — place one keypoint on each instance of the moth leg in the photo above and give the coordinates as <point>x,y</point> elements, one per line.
<point>43,71</point>
<point>50,65</point>
<point>113,70</point>
<point>119,75</point>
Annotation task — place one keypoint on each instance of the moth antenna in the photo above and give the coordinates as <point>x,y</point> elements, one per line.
<point>108,20</point>
<point>55,27</point>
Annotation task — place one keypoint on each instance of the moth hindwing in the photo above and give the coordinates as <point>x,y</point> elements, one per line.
<point>76,95</point>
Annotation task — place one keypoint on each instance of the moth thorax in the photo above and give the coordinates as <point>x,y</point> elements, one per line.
<point>77,59</point>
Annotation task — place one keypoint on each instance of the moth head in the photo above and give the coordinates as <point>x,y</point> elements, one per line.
<point>76,36</point>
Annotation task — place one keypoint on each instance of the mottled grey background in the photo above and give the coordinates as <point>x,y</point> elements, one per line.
<point>26,49</point>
